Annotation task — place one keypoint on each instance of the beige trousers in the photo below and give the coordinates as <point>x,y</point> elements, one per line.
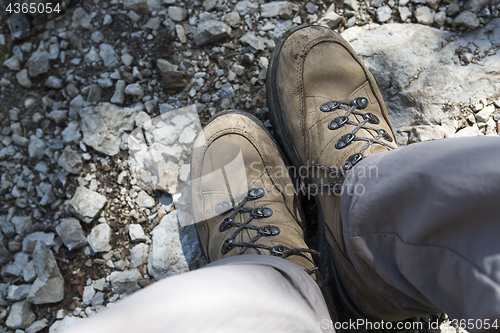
<point>248,293</point>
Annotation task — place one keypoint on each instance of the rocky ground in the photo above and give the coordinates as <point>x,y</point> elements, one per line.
<point>78,229</point>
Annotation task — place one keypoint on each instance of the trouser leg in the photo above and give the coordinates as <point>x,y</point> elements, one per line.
<point>421,226</point>
<point>248,293</point>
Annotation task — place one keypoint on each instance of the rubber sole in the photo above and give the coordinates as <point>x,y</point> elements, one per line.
<point>345,305</point>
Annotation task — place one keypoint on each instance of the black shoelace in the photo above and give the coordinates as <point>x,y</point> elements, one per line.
<point>263,231</point>
<point>352,107</point>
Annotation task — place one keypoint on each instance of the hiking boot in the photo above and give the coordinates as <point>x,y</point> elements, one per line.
<point>328,114</point>
<point>244,198</point>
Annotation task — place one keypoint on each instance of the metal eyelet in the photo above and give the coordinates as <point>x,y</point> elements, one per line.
<point>255,193</point>
<point>269,230</point>
<point>226,224</point>
<point>278,250</point>
<point>329,106</point>
<point>344,141</point>
<point>352,161</point>
<point>338,122</point>
<point>227,246</point>
<point>385,135</point>
<point>261,212</point>
<point>360,102</point>
<point>372,119</point>
<point>347,165</point>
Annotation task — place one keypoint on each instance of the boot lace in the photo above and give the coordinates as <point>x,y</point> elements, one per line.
<point>263,231</point>
<point>352,107</point>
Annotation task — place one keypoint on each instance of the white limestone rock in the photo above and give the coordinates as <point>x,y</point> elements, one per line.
<point>125,282</point>
<point>86,205</point>
<point>416,84</point>
<point>104,125</point>
<point>139,255</point>
<point>174,249</point>
<point>99,238</point>
<point>136,233</point>
<point>20,315</point>
<point>63,325</point>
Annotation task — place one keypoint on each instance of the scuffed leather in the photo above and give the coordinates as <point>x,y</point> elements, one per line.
<point>222,140</point>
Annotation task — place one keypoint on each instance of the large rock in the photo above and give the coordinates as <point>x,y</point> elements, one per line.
<point>99,238</point>
<point>418,71</point>
<point>86,205</point>
<point>49,284</point>
<point>104,125</point>
<point>20,315</point>
<point>174,249</point>
<point>71,233</point>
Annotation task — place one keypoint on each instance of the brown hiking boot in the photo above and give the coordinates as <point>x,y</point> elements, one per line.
<point>244,198</point>
<point>328,114</point>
